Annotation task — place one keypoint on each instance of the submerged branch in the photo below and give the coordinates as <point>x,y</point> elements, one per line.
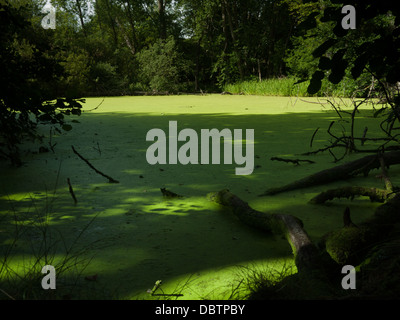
<point>374,194</point>
<point>295,161</point>
<point>71,191</point>
<point>110,180</point>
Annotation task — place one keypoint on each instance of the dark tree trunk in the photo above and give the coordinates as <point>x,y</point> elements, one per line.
<point>112,22</point>
<point>161,20</point>
<point>134,41</point>
<point>80,14</point>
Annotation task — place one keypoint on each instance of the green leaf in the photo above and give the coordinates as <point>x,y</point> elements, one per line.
<point>323,48</point>
<point>324,63</point>
<point>60,103</point>
<point>75,104</point>
<point>318,75</point>
<point>301,81</point>
<point>45,117</point>
<point>359,65</point>
<point>339,31</point>
<point>76,112</point>
<point>338,56</point>
<point>310,22</point>
<point>331,14</point>
<point>337,75</point>
<point>338,67</point>
<point>67,127</point>
<point>394,74</point>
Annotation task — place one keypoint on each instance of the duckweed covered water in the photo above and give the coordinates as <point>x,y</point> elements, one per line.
<point>127,236</point>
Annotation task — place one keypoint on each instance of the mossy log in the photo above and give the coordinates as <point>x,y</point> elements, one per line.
<point>319,267</point>
<point>345,246</point>
<point>350,244</point>
<point>340,172</point>
<point>305,253</point>
<point>374,194</point>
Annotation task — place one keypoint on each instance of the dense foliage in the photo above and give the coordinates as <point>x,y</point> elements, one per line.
<point>371,50</point>
<point>373,46</point>
<point>113,47</point>
<point>28,82</point>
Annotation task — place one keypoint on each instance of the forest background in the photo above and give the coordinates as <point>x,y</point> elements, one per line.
<point>124,47</point>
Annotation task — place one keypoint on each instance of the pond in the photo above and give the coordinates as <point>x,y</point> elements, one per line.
<point>121,238</point>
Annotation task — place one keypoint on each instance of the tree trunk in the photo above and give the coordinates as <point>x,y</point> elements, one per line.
<point>128,41</point>
<point>224,26</point>
<point>112,22</point>
<point>259,70</point>
<point>98,18</point>
<point>233,37</point>
<point>134,41</point>
<point>161,20</point>
<point>80,14</point>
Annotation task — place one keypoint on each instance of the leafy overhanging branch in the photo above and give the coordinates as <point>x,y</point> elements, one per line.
<point>28,84</point>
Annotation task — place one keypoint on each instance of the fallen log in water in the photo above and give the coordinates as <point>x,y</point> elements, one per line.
<point>374,194</point>
<point>319,268</point>
<point>305,253</point>
<point>341,172</point>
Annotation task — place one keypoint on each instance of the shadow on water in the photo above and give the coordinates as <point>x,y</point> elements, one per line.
<point>137,236</point>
